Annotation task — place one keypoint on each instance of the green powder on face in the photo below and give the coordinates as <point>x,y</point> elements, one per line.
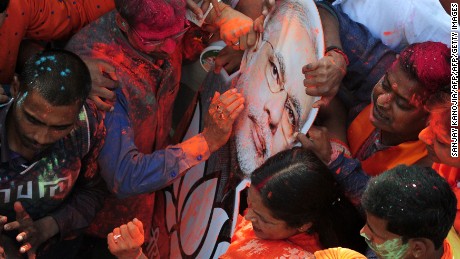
<point>390,249</point>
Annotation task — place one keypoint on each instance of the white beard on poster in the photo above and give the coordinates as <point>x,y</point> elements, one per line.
<point>195,217</point>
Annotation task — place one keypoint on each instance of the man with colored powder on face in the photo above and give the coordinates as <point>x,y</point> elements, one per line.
<point>385,133</point>
<point>389,127</point>
<point>143,40</point>
<point>409,210</point>
<point>50,139</point>
<point>437,137</point>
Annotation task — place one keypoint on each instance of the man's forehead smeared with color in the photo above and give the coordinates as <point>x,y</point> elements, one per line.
<point>153,19</point>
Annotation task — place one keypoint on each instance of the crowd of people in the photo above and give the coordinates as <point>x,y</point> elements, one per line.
<point>87,139</point>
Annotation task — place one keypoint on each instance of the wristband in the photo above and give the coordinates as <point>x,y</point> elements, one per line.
<point>339,51</point>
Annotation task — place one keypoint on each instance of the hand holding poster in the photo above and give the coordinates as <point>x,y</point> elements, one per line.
<point>194,217</point>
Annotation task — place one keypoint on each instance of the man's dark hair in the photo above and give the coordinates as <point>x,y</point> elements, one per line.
<point>150,12</point>
<point>3,5</point>
<point>59,76</point>
<point>298,189</point>
<point>415,201</point>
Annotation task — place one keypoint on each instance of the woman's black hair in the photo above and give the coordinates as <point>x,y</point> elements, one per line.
<point>298,189</point>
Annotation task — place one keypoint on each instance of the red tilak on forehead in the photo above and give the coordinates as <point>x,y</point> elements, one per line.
<point>163,19</point>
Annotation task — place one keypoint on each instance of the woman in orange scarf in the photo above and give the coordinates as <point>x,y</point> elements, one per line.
<point>437,137</point>
<point>294,208</point>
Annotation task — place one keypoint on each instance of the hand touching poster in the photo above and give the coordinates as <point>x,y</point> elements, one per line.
<point>194,217</point>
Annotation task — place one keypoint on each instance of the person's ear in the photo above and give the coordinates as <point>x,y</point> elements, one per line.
<point>14,87</point>
<point>122,23</point>
<point>419,247</point>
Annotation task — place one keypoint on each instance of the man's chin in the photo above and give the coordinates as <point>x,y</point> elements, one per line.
<point>248,159</point>
<point>34,148</point>
<point>246,165</point>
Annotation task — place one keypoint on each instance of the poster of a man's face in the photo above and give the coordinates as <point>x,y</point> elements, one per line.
<point>195,217</point>
<point>272,82</point>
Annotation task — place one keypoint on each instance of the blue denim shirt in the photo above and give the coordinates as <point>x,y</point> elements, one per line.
<point>129,172</point>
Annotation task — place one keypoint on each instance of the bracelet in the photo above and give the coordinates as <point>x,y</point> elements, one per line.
<point>339,51</point>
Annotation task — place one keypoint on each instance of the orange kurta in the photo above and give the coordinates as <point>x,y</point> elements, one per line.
<point>246,244</point>
<point>407,153</point>
<point>43,20</point>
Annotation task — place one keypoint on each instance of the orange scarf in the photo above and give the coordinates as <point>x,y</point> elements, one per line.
<point>246,244</point>
<point>405,153</point>
<point>452,176</point>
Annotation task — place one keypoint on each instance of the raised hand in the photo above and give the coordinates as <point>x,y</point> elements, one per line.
<point>104,81</point>
<point>317,140</point>
<point>31,233</point>
<point>229,59</point>
<point>223,111</point>
<point>323,77</point>
<point>236,29</point>
<point>259,21</point>
<point>126,241</point>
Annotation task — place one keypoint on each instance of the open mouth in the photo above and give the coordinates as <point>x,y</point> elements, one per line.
<point>379,115</point>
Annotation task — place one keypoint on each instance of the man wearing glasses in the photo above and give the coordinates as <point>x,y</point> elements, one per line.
<point>276,103</point>
<point>143,41</point>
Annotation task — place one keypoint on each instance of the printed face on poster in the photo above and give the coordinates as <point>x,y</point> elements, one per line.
<point>200,210</point>
<point>271,80</point>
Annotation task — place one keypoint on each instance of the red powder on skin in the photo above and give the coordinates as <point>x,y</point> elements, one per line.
<point>387,33</point>
<point>161,19</point>
<point>144,102</point>
<point>430,62</point>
